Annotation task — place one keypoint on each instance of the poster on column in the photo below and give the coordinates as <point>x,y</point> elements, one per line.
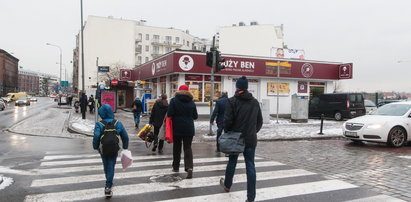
<point>283,89</point>
<point>109,98</point>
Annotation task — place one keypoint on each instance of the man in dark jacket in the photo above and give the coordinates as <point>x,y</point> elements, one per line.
<point>219,113</point>
<point>183,112</point>
<point>83,105</point>
<point>243,114</point>
<point>157,119</point>
<point>137,108</point>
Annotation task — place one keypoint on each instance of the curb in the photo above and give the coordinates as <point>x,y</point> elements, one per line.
<point>1,179</point>
<point>71,129</point>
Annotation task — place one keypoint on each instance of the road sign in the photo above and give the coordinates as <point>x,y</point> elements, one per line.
<point>114,82</point>
<point>59,88</point>
<point>64,83</point>
<point>103,68</point>
<point>125,74</point>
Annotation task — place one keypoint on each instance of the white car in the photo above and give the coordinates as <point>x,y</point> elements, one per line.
<point>369,106</point>
<point>389,124</point>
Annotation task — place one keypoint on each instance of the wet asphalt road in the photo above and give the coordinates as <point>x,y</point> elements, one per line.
<point>374,168</point>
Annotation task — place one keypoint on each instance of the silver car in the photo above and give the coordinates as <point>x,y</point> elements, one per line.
<point>2,105</point>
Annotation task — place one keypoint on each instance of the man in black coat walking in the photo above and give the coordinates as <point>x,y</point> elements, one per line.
<point>219,113</point>
<point>83,105</point>
<point>243,114</point>
<point>157,119</point>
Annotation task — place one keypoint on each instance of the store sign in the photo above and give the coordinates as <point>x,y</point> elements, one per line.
<point>307,70</point>
<point>186,62</point>
<point>288,53</point>
<point>114,82</point>
<point>191,77</point>
<point>302,87</point>
<point>103,68</point>
<point>109,98</point>
<point>208,78</point>
<point>238,65</point>
<point>125,74</point>
<point>345,71</point>
<point>158,66</point>
<point>281,88</point>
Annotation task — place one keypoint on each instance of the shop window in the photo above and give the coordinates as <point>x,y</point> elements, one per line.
<point>163,87</point>
<point>207,91</point>
<point>196,88</point>
<point>173,89</point>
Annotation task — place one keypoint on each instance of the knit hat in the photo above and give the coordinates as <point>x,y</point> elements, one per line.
<point>183,88</point>
<point>242,83</point>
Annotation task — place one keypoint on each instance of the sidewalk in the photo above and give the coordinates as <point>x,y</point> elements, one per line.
<point>284,130</point>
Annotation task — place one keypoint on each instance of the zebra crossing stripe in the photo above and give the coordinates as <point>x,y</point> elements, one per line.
<point>133,174</point>
<point>384,198</point>
<point>274,192</point>
<point>404,157</point>
<point>87,194</point>
<point>118,166</point>
<point>55,157</point>
<point>98,160</point>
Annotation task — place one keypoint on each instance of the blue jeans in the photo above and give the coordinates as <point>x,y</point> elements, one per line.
<point>137,117</point>
<point>109,163</point>
<point>249,154</point>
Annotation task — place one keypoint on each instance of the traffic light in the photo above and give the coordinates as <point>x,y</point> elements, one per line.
<point>209,58</point>
<point>219,62</point>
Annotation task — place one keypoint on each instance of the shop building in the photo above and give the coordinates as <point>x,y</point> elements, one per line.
<point>301,77</point>
<point>8,73</point>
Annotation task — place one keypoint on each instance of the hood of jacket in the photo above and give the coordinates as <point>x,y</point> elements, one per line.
<point>243,95</point>
<point>184,96</point>
<point>106,112</point>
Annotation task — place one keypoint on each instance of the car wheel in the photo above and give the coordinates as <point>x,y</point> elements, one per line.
<point>397,137</point>
<point>338,116</point>
<point>357,141</point>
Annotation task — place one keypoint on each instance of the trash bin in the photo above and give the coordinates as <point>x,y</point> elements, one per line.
<point>299,108</point>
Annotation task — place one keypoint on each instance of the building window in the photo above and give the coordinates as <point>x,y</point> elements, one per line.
<point>140,36</point>
<point>207,91</point>
<point>138,49</point>
<point>188,43</point>
<point>147,59</point>
<point>147,37</point>
<point>156,49</point>
<point>177,40</point>
<point>196,88</point>
<point>139,60</point>
<point>156,38</point>
<point>147,48</point>
<point>168,39</point>
<point>168,49</point>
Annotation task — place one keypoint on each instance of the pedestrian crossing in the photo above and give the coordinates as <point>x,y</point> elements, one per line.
<point>79,177</point>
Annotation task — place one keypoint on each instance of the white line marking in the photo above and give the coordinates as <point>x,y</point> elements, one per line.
<point>145,188</point>
<point>145,173</point>
<point>55,157</point>
<point>378,198</point>
<point>45,171</point>
<point>17,172</point>
<point>404,157</point>
<point>274,192</point>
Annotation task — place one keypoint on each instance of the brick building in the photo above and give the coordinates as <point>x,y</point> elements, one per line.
<point>8,73</point>
<point>29,81</point>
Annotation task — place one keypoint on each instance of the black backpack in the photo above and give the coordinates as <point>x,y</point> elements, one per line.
<point>109,140</point>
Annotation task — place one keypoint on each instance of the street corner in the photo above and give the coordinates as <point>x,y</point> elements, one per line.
<point>81,126</point>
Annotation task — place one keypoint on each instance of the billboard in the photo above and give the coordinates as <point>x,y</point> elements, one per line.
<point>287,53</point>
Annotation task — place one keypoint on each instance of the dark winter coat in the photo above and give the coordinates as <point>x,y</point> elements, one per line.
<point>183,111</point>
<point>83,102</point>
<point>138,104</point>
<point>243,114</point>
<point>219,111</point>
<point>106,113</point>
<point>158,113</point>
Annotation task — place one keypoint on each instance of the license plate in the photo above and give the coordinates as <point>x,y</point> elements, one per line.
<point>351,134</point>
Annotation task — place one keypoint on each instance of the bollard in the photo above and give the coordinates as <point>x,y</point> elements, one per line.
<point>321,127</point>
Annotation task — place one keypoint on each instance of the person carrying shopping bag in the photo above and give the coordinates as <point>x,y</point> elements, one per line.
<point>183,111</point>
<point>157,119</point>
<point>243,114</point>
<point>219,113</point>
<point>106,141</point>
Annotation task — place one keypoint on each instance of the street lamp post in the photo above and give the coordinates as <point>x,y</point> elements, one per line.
<point>49,44</point>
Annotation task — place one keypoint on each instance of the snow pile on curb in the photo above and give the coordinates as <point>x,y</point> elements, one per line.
<point>84,125</point>
<point>5,182</point>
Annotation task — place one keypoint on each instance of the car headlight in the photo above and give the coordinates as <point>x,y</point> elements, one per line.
<point>375,126</point>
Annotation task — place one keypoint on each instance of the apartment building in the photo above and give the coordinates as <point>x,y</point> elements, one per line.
<point>8,73</point>
<point>125,44</point>
<point>29,81</point>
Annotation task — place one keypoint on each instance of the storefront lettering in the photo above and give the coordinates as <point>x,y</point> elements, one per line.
<point>161,64</point>
<point>243,64</point>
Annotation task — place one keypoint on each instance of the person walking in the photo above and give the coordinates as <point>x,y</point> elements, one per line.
<point>103,134</point>
<point>243,114</point>
<point>83,105</point>
<point>157,119</point>
<point>137,108</point>
<point>91,103</point>
<point>219,113</point>
<point>183,111</point>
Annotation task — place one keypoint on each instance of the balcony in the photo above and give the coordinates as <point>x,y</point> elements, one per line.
<point>166,43</point>
<point>138,50</point>
<point>138,40</point>
<point>156,54</point>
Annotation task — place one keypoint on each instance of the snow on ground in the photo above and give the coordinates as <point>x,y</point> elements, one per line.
<point>85,125</point>
<point>5,182</point>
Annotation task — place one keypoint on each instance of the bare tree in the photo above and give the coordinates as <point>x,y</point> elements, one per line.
<point>114,72</point>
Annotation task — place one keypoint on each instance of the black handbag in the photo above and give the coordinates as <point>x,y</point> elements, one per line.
<point>231,142</point>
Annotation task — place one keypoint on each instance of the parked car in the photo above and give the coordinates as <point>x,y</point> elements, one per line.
<point>22,101</point>
<point>33,99</point>
<point>384,102</point>
<point>2,105</point>
<point>369,106</point>
<point>390,124</point>
<point>337,105</point>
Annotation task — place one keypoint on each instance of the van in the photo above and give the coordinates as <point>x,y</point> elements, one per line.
<point>14,96</point>
<point>337,105</point>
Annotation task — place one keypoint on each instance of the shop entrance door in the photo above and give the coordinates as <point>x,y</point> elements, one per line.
<point>121,98</point>
<point>316,89</point>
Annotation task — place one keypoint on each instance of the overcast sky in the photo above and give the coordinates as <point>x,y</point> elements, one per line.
<point>372,34</point>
